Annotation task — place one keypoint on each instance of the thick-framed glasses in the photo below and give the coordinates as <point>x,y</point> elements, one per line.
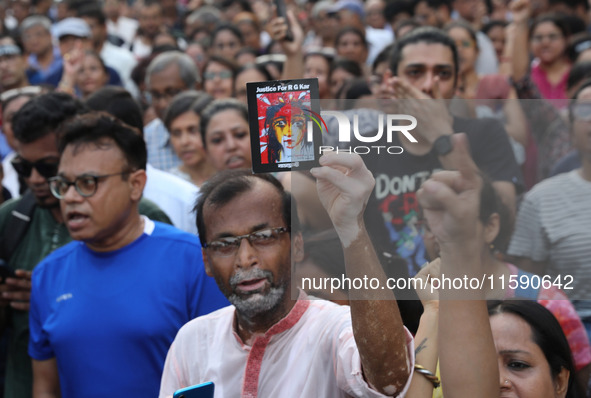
<point>46,167</point>
<point>228,247</point>
<point>86,184</point>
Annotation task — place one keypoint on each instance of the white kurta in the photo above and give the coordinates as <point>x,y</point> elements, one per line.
<point>309,353</point>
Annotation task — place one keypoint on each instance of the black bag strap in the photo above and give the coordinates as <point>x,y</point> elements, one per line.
<point>17,225</point>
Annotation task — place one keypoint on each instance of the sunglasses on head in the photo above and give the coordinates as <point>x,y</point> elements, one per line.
<point>45,167</point>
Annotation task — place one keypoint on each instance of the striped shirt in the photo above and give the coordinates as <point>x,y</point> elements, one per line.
<point>554,225</point>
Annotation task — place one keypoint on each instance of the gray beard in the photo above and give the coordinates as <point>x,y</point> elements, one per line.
<point>255,304</point>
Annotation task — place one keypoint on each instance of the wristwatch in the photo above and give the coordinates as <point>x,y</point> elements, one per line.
<point>443,145</point>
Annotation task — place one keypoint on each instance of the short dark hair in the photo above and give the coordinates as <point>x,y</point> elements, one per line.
<point>579,71</point>
<point>395,8</point>
<point>259,68</point>
<point>383,56</point>
<point>118,102</point>
<point>434,4</point>
<point>546,333</point>
<point>228,184</point>
<point>43,115</point>
<point>425,34</point>
<point>227,26</point>
<point>350,66</point>
<point>585,84</point>
<point>487,27</point>
<point>217,106</point>
<point>490,203</point>
<point>577,44</point>
<point>93,11</point>
<point>355,31</point>
<point>98,127</point>
<point>186,101</point>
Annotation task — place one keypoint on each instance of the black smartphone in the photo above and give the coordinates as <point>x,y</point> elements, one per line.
<point>282,12</point>
<point>5,271</point>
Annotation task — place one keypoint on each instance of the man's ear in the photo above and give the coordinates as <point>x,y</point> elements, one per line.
<point>297,247</point>
<point>206,263</point>
<point>137,181</point>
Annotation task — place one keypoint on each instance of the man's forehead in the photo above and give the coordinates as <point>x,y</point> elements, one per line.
<point>261,200</point>
<point>428,54</point>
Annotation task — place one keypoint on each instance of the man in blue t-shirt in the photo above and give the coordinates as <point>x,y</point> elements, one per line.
<point>106,307</point>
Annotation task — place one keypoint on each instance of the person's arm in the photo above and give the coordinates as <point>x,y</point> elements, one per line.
<point>516,125</point>
<point>451,204</point>
<point>344,186</point>
<point>46,383</point>
<point>72,65</point>
<point>426,350</point>
<point>293,67</point>
<point>517,50</point>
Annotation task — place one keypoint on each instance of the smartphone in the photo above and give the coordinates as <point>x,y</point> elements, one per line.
<point>204,390</point>
<point>5,271</point>
<point>282,12</point>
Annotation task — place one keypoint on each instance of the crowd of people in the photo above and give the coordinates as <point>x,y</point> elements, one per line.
<point>140,255</point>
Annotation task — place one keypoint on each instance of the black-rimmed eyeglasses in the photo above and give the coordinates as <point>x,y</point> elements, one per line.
<point>86,184</point>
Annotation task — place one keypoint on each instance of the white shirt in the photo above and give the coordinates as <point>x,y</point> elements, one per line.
<point>123,62</point>
<point>378,39</point>
<point>10,180</point>
<point>125,28</point>
<point>309,353</point>
<point>486,63</point>
<point>175,196</point>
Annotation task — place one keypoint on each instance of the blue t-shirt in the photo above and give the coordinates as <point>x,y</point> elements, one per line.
<point>109,318</point>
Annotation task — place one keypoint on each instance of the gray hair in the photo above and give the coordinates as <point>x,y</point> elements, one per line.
<point>323,5</point>
<point>189,72</point>
<point>35,20</point>
<point>208,15</point>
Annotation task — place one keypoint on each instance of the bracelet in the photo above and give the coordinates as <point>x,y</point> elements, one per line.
<point>428,375</point>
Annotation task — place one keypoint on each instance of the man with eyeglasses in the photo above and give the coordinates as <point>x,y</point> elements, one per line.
<point>275,341</point>
<point>168,74</point>
<point>105,309</point>
<point>35,128</point>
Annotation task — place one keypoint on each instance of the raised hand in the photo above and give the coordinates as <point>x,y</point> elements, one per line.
<point>344,184</point>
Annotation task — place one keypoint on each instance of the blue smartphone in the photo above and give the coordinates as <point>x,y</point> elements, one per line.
<point>204,390</point>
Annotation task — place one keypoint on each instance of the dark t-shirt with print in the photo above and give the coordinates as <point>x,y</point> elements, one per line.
<point>393,209</point>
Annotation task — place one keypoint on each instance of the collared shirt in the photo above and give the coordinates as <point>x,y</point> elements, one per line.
<point>160,152</point>
<point>309,353</point>
<point>37,74</point>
